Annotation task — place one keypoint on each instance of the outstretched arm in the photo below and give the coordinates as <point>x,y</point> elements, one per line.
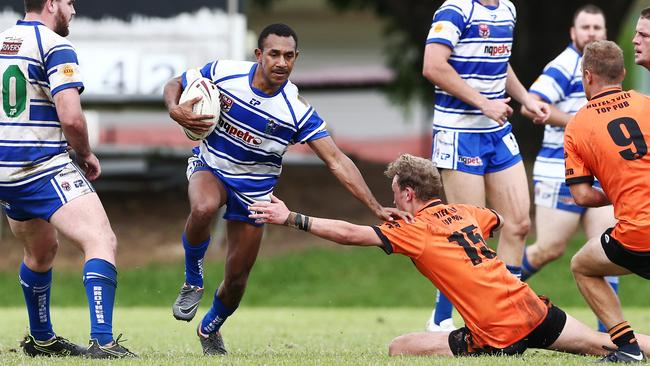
<point>342,232</point>
<point>348,174</point>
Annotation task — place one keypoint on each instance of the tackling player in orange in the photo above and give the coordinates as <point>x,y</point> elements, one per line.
<point>503,316</point>
<point>608,139</point>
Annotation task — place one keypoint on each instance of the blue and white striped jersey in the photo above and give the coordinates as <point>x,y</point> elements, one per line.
<point>254,128</point>
<point>481,41</point>
<point>35,64</point>
<point>559,84</point>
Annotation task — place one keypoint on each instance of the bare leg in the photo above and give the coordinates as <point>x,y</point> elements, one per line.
<point>421,344</point>
<point>589,266</point>
<point>553,231</point>
<point>243,245</point>
<point>206,194</point>
<point>39,240</point>
<point>507,191</point>
<point>84,221</point>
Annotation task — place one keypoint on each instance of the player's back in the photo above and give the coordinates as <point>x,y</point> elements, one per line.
<point>446,243</point>
<point>35,64</point>
<point>610,135</point>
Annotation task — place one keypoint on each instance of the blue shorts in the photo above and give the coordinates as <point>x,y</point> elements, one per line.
<point>41,198</point>
<point>236,202</point>
<point>475,153</point>
<point>557,195</point>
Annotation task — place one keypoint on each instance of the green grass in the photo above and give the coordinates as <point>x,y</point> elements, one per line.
<point>271,336</point>
<point>335,277</point>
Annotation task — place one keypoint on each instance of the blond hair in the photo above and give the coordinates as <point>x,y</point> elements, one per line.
<point>418,173</point>
<point>605,59</point>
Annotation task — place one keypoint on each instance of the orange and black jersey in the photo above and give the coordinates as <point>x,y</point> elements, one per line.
<point>446,244</point>
<point>608,139</point>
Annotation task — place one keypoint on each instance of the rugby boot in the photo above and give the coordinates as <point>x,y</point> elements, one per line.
<point>212,343</point>
<point>57,346</point>
<point>623,357</point>
<point>187,302</point>
<point>114,350</point>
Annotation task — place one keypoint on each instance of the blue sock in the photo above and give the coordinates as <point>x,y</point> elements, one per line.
<point>216,316</point>
<point>515,270</point>
<point>443,308</point>
<point>100,280</point>
<point>613,281</point>
<point>36,288</point>
<point>527,270</point>
<point>194,261</point>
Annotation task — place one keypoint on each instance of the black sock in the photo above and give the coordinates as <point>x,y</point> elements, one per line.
<point>623,336</point>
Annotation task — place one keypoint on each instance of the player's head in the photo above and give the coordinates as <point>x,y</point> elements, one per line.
<point>276,53</point>
<point>641,39</point>
<point>602,67</point>
<point>56,14</point>
<point>413,178</point>
<point>588,26</point>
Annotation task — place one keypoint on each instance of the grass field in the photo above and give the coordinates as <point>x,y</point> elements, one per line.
<point>271,336</point>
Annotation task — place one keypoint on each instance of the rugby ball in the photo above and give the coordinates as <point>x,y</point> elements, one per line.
<point>209,104</point>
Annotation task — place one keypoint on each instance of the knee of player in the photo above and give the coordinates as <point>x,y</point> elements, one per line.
<point>576,264</point>
<point>518,226</point>
<point>205,210</point>
<point>41,260</point>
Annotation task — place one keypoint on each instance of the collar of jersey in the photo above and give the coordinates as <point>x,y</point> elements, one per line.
<point>433,202</point>
<point>607,91</point>
<point>259,92</point>
<point>488,7</point>
<point>25,22</point>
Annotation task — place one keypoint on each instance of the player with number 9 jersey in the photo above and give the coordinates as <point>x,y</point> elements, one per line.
<point>607,139</point>
<point>35,64</point>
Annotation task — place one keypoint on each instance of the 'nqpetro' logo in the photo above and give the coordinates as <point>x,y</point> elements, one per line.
<point>484,30</point>
<point>500,50</point>
<point>241,135</point>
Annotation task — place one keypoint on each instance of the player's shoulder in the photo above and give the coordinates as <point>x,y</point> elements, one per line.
<point>50,39</point>
<point>461,6</point>
<point>299,104</point>
<point>225,68</point>
<point>568,59</point>
<point>510,5</point>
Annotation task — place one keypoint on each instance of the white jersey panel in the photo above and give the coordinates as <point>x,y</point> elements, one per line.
<point>481,39</point>
<point>560,84</point>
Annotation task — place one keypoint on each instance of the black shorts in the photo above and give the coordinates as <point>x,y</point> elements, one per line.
<point>460,340</point>
<point>636,262</point>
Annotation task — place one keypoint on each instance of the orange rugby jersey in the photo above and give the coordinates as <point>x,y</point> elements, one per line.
<point>446,245</point>
<point>608,138</point>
